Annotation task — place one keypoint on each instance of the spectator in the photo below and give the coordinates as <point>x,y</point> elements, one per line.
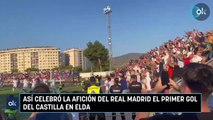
<point>116,88</point>
<point>135,87</point>
<point>209,45</point>
<point>128,75</point>
<point>25,85</point>
<point>102,84</point>
<point>123,84</point>
<point>33,83</point>
<point>94,89</point>
<point>15,83</point>
<point>147,80</point>
<point>42,88</point>
<point>53,86</point>
<point>177,73</point>
<point>188,58</point>
<point>196,57</point>
<point>108,84</point>
<point>197,78</point>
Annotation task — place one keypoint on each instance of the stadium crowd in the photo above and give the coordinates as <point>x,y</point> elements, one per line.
<point>194,47</point>
<point>180,58</point>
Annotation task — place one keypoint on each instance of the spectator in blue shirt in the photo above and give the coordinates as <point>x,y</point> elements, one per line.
<point>123,83</point>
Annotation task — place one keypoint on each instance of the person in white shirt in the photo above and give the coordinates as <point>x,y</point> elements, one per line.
<point>108,83</point>
<point>197,57</point>
<point>128,76</point>
<point>1,82</point>
<point>165,57</point>
<point>25,85</point>
<point>45,81</point>
<point>138,76</point>
<point>33,83</point>
<point>148,81</point>
<point>53,86</point>
<point>15,83</point>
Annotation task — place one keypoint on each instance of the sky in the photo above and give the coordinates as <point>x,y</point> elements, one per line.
<point>136,25</point>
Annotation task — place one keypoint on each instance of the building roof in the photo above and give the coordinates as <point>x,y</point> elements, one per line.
<point>73,49</point>
<point>29,47</point>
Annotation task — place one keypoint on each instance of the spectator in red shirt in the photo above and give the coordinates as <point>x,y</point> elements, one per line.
<point>188,58</point>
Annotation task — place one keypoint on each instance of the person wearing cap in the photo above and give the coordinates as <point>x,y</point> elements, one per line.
<point>93,89</point>
<point>134,87</point>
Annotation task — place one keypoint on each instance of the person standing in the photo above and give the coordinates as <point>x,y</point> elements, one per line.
<point>148,81</point>
<point>108,84</point>
<point>102,84</point>
<point>53,86</point>
<point>196,78</point>
<point>15,83</point>
<point>1,81</point>
<point>116,88</point>
<point>25,84</point>
<point>94,89</point>
<point>43,88</point>
<point>134,87</point>
<point>123,82</point>
<point>45,81</point>
<point>33,82</point>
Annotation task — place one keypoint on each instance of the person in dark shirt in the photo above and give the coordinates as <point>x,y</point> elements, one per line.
<point>177,73</point>
<point>116,88</point>
<point>197,78</point>
<point>134,87</point>
<point>161,67</point>
<point>43,88</point>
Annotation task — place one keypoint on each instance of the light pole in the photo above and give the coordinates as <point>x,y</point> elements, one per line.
<point>107,12</point>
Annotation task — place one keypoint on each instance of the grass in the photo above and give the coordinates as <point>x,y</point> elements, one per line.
<point>7,90</point>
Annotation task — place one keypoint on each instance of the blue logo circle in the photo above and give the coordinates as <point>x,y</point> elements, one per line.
<point>201,11</point>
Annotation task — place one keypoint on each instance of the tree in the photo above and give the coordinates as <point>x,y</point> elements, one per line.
<point>97,54</point>
<point>32,70</point>
<point>78,68</point>
<point>63,68</point>
<point>14,70</point>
